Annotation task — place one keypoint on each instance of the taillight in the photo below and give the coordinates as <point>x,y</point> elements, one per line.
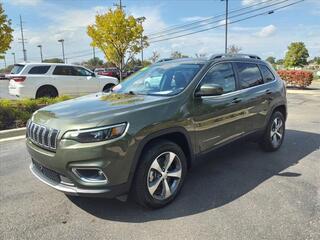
<point>18,78</point>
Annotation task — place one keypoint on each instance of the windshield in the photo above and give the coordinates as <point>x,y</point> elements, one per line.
<point>164,79</point>
<point>17,69</point>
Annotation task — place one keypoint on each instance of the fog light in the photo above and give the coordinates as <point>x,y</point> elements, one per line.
<point>92,175</point>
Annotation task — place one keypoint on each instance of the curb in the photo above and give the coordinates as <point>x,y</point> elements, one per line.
<point>12,133</point>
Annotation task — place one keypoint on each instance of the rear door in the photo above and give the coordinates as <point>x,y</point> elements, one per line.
<point>254,94</point>
<point>66,80</point>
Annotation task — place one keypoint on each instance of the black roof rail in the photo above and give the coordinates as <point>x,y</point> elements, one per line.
<point>216,56</point>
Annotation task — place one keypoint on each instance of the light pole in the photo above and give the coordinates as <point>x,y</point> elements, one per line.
<point>14,58</point>
<point>226,28</point>
<point>141,20</point>
<point>40,47</point>
<point>62,45</point>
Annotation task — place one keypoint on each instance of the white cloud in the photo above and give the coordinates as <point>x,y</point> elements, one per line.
<point>25,2</point>
<point>267,31</point>
<point>252,2</point>
<point>193,18</point>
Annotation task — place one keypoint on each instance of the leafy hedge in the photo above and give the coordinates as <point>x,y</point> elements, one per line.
<point>15,113</point>
<point>297,78</point>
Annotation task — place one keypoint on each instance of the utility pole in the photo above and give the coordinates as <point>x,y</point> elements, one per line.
<point>40,46</point>
<point>23,41</point>
<point>141,20</point>
<point>226,28</point>
<point>119,5</point>
<point>5,62</point>
<point>62,45</point>
<point>14,58</point>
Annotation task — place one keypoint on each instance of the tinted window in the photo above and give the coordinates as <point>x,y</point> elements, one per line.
<point>249,75</point>
<point>39,70</point>
<point>266,73</point>
<point>165,79</point>
<point>17,69</point>
<point>223,75</point>
<point>82,72</point>
<point>65,70</point>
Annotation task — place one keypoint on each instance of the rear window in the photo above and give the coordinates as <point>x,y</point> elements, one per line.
<point>39,70</point>
<point>17,69</point>
<point>266,73</point>
<point>249,75</point>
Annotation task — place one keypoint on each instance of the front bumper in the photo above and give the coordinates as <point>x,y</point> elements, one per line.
<point>111,192</point>
<point>112,158</point>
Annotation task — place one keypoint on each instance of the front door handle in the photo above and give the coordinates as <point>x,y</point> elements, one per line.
<point>236,100</point>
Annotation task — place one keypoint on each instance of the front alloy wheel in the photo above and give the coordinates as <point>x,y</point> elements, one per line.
<point>164,175</point>
<point>160,174</point>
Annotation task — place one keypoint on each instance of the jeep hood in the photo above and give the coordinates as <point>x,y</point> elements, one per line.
<point>92,110</point>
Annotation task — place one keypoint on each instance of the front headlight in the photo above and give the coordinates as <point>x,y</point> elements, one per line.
<point>96,134</point>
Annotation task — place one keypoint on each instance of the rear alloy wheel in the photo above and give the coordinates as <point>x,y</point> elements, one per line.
<point>273,137</point>
<point>160,175</point>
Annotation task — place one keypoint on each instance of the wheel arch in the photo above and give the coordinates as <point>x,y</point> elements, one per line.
<point>178,135</point>
<point>46,86</point>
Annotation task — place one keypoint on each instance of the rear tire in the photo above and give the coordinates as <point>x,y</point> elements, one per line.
<point>274,134</point>
<point>160,174</point>
<point>47,91</point>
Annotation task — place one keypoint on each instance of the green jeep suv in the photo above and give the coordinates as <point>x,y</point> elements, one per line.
<point>142,138</point>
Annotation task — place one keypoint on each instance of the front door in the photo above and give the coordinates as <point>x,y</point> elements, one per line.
<point>87,82</point>
<point>218,119</point>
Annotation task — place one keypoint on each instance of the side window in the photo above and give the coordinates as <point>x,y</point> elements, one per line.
<point>266,74</point>
<point>223,75</point>
<point>249,75</point>
<point>39,70</point>
<point>64,70</point>
<point>82,72</point>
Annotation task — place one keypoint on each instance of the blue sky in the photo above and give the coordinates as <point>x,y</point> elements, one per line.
<point>46,21</point>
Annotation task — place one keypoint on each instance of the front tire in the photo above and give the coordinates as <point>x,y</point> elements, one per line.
<point>108,87</point>
<point>160,174</point>
<point>274,134</point>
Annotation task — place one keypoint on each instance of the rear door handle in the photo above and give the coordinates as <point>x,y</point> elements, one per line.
<point>236,100</point>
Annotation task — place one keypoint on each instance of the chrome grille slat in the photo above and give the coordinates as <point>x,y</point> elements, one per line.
<point>42,136</point>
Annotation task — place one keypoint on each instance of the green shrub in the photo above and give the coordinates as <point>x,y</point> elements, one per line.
<point>15,113</point>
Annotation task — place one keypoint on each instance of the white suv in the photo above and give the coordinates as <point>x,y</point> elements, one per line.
<point>34,80</point>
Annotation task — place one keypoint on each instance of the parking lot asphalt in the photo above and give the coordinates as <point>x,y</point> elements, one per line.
<point>238,192</point>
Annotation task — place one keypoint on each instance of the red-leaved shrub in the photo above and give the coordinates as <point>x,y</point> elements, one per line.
<point>297,78</point>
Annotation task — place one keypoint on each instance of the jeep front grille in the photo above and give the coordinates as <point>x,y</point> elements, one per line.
<point>42,136</point>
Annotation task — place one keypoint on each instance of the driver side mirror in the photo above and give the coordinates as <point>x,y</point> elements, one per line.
<point>209,90</point>
<point>93,74</point>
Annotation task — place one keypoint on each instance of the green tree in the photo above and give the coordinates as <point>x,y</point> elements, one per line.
<point>6,70</point>
<point>118,36</point>
<point>6,36</point>
<point>280,62</point>
<point>296,55</point>
<point>271,60</point>
<point>53,60</point>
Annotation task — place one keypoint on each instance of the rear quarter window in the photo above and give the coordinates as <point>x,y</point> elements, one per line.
<point>17,69</point>
<point>39,70</point>
<point>266,74</point>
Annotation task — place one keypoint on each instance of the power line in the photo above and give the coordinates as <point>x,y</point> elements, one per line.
<point>220,19</point>
<point>235,21</point>
<point>207,19</point>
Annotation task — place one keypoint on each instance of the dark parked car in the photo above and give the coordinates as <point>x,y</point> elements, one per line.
<point>143,139</point>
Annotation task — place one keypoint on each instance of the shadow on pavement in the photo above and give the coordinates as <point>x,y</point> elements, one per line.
<point>217,179</point>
